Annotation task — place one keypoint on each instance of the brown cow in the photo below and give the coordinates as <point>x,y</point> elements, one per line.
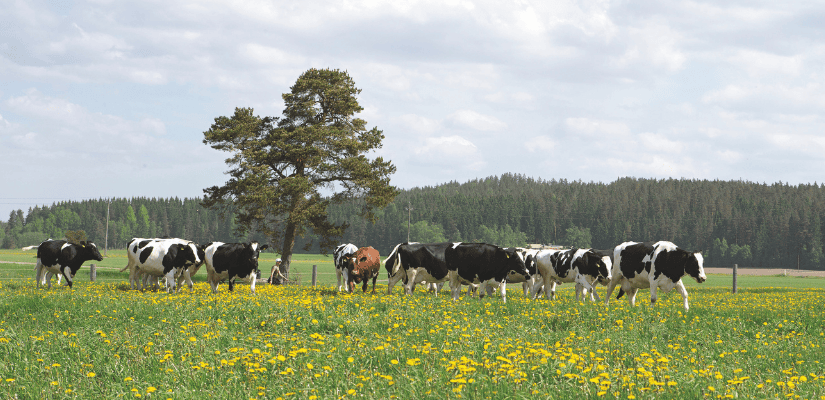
<point>363,265</point>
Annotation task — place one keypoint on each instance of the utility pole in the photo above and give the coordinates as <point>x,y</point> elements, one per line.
<point>409,215</point>
<point>106,245</point>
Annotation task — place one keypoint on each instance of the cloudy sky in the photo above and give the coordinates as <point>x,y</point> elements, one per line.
<point>106,98</point>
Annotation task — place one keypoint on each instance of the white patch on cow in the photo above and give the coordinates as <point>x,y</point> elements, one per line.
<point>456,244</point>
<point>419,275</point>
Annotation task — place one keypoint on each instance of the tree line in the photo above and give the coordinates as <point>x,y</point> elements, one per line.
<point>752,224</point>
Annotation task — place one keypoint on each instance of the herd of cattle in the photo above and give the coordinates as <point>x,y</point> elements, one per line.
<point>483,267</point>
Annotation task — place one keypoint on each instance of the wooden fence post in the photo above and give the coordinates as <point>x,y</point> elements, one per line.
<point>735,267</point>
<point>92,272</point>
<point>314,275</point>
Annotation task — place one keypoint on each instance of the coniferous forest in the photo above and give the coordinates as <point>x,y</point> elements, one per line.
<point>750,224</point>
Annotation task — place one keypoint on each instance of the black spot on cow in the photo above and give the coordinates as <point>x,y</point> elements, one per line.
<point>632,257</point>
<point>144,254</point>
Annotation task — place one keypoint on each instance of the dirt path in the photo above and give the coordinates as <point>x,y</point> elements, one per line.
<point>765,271</point>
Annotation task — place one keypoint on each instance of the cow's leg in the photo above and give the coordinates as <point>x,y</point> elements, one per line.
<point>502,286</point>
<point>549,287</point>
<point>254,278</point>
<point>680,287</point>
<point>346,280</point>
<point>579,291</point>
<point>374,278</point>
<point>67,272</point>
<point>534,291</point>
<point>525,286</point>
<point>338,273</point>
<point>610,286</point>
<point>133,279</point>
<point>231,284</point>
<point>409,286</point>
<point>39,273</point>
<point>631,293</point>
<point>212,279</point>
<point>170,281</point>
<point>187,277</point>
<point>653,292</point>
<point>455,284</point>
<point>594,297</point>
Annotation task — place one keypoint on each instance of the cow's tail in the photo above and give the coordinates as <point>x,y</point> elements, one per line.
<point>124,268</point>
<point>391,270</point>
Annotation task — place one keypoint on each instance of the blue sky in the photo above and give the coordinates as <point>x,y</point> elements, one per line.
<point>110,99</point>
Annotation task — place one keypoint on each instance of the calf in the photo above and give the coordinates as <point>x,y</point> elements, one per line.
<point>654,265</point>
<point>582,266</point>
<point>482,264</point>
<point>58,257</point>
<point>339,257</point>
<point>231,261</point>
<point>415,263</point>
<point>363,265</point>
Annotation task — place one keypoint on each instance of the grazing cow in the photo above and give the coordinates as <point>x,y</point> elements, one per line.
<point>169,258</point>
<point>582,266</point>
<point>415,263</point>
<point>231,261</point>
<point>482,264</point>
<point>58,257</point>
<point>653,265</point>
<point>363,265</point>
<point>339,256</point>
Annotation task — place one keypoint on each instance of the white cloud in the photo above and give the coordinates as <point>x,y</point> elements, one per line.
<point>540,143</point>
<point>658,143</point>
<point>420,124</point>
<point>597,128</point>
<point>473,120</point>
<point>451,151</point>
<point>269,55</point>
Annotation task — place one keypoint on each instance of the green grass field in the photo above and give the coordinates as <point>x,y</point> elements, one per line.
<point>100,340</point>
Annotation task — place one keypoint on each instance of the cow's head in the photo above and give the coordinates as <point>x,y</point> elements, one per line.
<point>187,254</point>
<point>90,251</point>
<point>603,266</point>
<point>251,252</point>
<point>515,263</point>
<point>200,251</point>
<point>694,266</point>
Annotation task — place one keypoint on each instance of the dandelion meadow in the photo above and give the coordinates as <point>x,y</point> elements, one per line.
<point>100,340</point>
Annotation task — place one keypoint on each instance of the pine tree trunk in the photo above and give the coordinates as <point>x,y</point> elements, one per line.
<point>286,256</point>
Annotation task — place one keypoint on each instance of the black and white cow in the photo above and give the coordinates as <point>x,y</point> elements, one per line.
<point>482,264</point>
<point>659,265</point>
<point>231,261</point>
<point>340,256</point>
<point>58,257</point>
<point>582,266</point>
<point>532,277</point>
<point>167,258</point>
<point>415,263</point>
